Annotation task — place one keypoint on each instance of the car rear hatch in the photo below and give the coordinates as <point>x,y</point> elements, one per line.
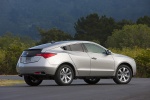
<point>30,56</point>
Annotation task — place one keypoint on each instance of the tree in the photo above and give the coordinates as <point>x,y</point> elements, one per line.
<point>53,35</point>
<point>94,28</point>
<point>130,36</point>
<point>144,20</point>
<point>11,48</point>
<point>122,23</point>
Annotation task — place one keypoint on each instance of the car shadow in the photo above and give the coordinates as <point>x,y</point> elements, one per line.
<point>75,85</point>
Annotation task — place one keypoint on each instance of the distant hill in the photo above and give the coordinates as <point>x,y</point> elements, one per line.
<point>23,16</point>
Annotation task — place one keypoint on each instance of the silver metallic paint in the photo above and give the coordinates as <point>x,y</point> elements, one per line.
<point>84,63</point>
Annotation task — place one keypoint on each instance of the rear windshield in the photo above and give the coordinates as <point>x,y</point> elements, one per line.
<point>31,52</point>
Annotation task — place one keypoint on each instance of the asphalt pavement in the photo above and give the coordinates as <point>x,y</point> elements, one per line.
<point>106,89</point>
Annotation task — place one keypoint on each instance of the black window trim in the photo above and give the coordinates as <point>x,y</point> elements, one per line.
<point>84,48</point>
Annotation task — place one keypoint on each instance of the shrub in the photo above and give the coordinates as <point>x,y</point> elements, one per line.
<point>143,64</point>
<point>11,48</point>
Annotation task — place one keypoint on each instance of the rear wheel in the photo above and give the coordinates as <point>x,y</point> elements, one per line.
<point>30,80</point>
<point>123,75</point>
<point>92,80</point>
<point>64,75</point>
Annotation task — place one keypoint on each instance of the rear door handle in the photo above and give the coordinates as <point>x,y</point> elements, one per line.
<point>93,58</point>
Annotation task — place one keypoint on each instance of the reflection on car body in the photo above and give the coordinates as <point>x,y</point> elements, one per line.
<point>67,60</point>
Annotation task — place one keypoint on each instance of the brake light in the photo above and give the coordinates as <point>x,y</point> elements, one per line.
<point>46,55</point>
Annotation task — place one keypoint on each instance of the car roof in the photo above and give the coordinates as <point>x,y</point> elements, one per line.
<point>58,44</point>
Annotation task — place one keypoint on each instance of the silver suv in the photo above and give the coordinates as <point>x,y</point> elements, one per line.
<point>67,60</point>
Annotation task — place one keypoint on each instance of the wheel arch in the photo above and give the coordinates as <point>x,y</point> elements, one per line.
<point>127,64</point>
<point>71,65</point>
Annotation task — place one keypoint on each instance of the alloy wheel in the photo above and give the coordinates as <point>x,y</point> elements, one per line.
<point>65,75</point>
<point>123,74</point>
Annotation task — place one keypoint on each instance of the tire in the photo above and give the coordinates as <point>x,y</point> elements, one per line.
<point>64,75</point>
<point>92,80</point>
<point>32,81</point>
<point>123,75</point>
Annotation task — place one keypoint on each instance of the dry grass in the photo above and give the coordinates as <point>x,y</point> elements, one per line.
<point>4,82</point>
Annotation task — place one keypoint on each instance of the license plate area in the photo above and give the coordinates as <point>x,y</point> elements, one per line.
<point>29,59</point>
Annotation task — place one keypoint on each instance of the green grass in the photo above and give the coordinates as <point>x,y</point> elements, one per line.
<point>4,82</point>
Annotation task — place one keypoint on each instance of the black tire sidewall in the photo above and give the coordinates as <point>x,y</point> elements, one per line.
<point>27,79</point>
<point>116,80</point>
<point>57,75</point>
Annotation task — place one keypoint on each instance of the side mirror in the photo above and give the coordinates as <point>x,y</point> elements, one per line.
<point>108,52</point>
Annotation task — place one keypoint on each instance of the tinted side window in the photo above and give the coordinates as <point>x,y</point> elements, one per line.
<point>66,48</point>
<point>76,47</point>
<point>94,48</point>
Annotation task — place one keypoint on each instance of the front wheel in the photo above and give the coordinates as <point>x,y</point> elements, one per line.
<point>64,75</point>
<point>32,81</point>
<point>123,75</point>
<point>92,80</point>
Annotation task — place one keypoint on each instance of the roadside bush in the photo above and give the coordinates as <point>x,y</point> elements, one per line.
<point>2,57</point>
<point>134,52</point>
<point>143,64</point>
<point>11,48</point>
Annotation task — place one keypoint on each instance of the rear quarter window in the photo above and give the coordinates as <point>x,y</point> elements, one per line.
<point>76,47</point>
<point>66,48</point>
<point>73,47</point>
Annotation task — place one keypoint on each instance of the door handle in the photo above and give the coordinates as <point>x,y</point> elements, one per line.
<point>93,58</point>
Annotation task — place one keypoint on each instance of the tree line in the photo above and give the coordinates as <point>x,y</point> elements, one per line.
<point>125,37</point>
<point>105,31</point>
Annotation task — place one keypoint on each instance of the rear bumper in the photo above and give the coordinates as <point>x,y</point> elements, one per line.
<point>33,68</point>
<point>41,66</point>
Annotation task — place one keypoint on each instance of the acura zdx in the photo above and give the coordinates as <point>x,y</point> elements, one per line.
<point>67,60</point>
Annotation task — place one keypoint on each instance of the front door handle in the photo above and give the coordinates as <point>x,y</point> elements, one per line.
<point>93,58</point>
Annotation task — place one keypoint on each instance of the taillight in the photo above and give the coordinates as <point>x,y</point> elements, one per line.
<point>46,55</point>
